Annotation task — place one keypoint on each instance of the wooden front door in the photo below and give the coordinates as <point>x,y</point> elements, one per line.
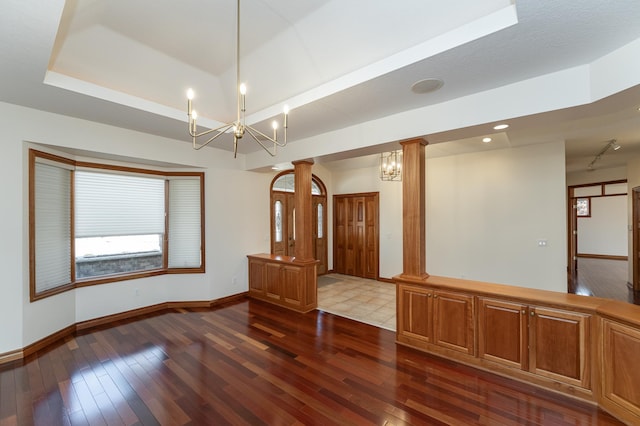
<point>356,231</point>
<point>282,224</point>
<point>283,233</point>
<point>320,232</point>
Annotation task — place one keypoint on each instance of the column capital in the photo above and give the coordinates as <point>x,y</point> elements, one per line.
<point>414,140</point>
<point>301,162</point>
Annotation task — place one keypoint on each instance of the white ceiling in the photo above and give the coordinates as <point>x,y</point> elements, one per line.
<point>339,64</point>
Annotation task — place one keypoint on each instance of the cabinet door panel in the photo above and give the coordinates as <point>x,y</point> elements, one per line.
<point>292,285</point>
<point>620,365</point>
<point>273,280</point>
<point>256,276</point>
<point>559,345</point>
<point>503,333</point>
<point>453,321</point>
<point>415,313</point>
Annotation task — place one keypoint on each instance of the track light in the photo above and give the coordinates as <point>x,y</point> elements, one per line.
<point>611,144</point>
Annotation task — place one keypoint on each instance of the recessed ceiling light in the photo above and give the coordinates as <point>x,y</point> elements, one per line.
<point>500,127</point>
<point>427,85</point>
<point>486,140</point>
<point>275,168</point>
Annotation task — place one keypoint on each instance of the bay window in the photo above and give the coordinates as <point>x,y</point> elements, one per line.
<point>92,223</point>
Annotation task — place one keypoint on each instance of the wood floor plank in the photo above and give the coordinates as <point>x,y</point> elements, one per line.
<point>7,395</point>
<point>250,363</point>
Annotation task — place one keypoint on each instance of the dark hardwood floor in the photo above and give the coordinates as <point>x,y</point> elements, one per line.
<point>605,278</point>
<point>252,363</point>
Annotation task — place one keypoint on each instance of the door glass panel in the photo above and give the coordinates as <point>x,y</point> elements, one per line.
<point>583,207</point>
<point>278,217</point>
<point>287,182</point>
<point>320,214</point>
<point>315,188</point>
<point>615,188</point>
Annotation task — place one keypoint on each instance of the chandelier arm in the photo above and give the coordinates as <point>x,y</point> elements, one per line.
<point>235,146</point>
<point>275,141</point>
<point>251,131</point>
<point>221,131</point>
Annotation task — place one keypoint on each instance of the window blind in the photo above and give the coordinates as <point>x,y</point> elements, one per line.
<point>52,226</point>
<point>108,204</point>
<point>184,223</point>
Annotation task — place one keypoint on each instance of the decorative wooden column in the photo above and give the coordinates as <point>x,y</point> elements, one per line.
<point>290,281</point>
<point>304,211</point>
<point>413,210</point>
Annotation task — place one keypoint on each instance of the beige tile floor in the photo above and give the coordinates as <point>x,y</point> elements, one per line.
<point>369,301</point>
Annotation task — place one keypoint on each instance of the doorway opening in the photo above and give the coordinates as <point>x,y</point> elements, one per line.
<point>598,240</point>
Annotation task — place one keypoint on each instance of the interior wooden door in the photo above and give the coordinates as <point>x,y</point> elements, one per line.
<point>371,237</point>
<point>340,220</point>
<point>356,235</point>
<point>355,241</point>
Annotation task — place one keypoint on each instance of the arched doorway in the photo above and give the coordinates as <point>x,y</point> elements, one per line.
<point>283,232</point>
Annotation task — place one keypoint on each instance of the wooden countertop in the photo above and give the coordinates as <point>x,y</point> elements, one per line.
<point>275,258</point>
<point>615,309</point>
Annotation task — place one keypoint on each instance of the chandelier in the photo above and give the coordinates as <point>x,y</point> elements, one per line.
<point>237,127</point>
<point>391,165</point>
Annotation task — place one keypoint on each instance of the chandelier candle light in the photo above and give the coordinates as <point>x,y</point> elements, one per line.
<point>238,127</point>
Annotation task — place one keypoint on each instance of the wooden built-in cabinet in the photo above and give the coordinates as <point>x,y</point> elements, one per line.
<point>503,333</point>
<point>584,347</point>
<point>283,281</point>
<point>548,342</point>
<point>437,319</point>
<point>559,345</point>
<point>618,366</point>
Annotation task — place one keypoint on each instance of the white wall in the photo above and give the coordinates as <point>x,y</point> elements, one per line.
<point>605,231</point>
<point>11,219</point>
<point>487,211</point>
<point>237,223</point>
<point>597,175</point>
<point>633,181</point>
<point>485,214</point>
